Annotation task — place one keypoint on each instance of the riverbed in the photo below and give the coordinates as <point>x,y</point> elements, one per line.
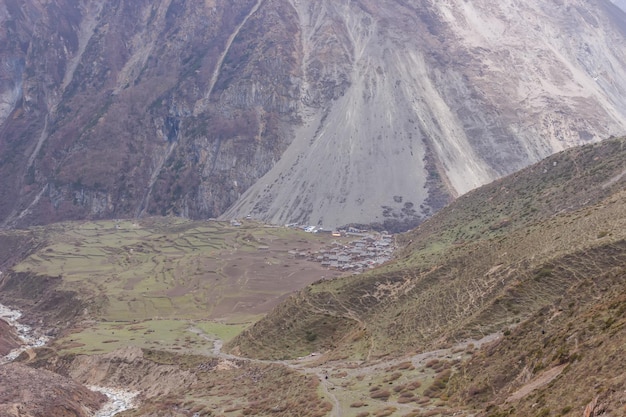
<point>119,399</point>
<point>29,337</point>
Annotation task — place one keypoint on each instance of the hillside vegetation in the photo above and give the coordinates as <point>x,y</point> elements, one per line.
<point>509,302</point>
<point>146,282</point>
<point>536,261</point>
<point>487,262</point>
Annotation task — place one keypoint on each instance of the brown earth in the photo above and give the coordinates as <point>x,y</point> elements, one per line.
<point>28,392</point>
<point>182,385</point>
<point>8,338</point>
<point>46,305</point>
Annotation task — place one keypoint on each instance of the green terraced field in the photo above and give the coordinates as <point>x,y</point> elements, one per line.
<point>168,272</point>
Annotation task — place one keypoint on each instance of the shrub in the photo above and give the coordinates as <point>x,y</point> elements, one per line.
<point>405,365</point>
<point>385,412</point>
<point>544,272</point>
<point>380,395</point>
<point>544,412</point>
<point>432,363</point>
<point>399,388</point>
<point>393,377</point>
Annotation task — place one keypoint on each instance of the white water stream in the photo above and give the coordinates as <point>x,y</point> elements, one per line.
<point>28,336</point>
<point>119,399</point>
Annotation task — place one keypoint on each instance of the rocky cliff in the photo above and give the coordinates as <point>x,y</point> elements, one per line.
<point>8,338</point>
<point>30,393</point>
<point>292,110</point>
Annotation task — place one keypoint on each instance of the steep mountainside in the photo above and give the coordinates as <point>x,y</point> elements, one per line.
<point>27,392</point>
<point>508,302</point>
<point>489,260</point>
<point>538,257</point>
<point>8,338</point>
<point>325,112</point>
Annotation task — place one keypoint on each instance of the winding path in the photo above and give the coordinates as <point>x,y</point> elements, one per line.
<point>305,365</point>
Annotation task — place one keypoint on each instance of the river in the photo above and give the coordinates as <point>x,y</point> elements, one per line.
<point>26,334</point>
<point>119,399</point>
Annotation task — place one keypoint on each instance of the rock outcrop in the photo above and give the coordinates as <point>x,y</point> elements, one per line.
<point>327,112</point>
<point>8,338</point>
<point>28,392</point>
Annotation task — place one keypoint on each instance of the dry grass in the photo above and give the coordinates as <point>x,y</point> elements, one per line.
<point>459,276</point>
<point>584,332</point>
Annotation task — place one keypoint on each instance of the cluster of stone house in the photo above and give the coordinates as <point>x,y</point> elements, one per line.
<point>359,255</point>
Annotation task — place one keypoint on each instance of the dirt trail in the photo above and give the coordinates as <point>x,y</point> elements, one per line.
<point>543,379</point>
<point>313,364</point>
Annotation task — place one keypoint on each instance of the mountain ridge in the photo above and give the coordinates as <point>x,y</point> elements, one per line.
<point>492,257</point>
<point>288,111</point>
<point>509,301</point>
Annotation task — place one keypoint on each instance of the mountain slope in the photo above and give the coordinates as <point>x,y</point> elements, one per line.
<point>120,108</point>
<point>442,97</point>
<point>491,259</point>
<point>29,392</point>
<point>8,338</point>
<point>316,112</point>
<point>562,361</point>
<point>535,261</point>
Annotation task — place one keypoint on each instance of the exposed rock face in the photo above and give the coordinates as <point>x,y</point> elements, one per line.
<point>8,338</point>
<point>620,3</point>
<point>129,369</point>
<point>326,112</point>
<point>442,97</point>
<point>31,392</point>
<point>123,108</point>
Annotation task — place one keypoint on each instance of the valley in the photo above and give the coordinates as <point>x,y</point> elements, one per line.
<point>509,301</point>
<point>298,208</point>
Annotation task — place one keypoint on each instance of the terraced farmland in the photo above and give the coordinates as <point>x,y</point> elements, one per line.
<point>171,273</point>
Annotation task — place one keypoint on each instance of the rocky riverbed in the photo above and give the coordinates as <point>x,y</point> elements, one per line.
<point>119,400</point>
<point>28,336</point>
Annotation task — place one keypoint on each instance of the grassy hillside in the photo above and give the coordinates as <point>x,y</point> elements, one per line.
<point>488,262</point>
<point>511,301</point>
<point>145,306</point>
<point>565,357</point>
<point>145,283</point>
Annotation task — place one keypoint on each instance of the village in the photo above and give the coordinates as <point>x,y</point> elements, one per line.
<point>353,250</point>
<point>367,250</point>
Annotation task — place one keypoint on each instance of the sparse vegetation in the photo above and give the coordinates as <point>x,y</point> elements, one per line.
<point>548,283</point>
